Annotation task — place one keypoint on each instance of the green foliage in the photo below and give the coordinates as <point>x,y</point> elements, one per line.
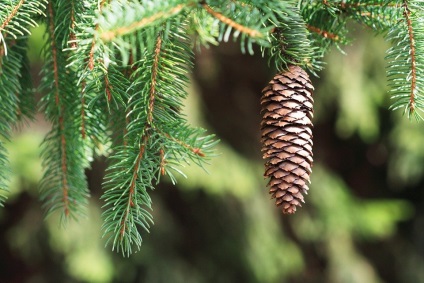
<point>405,58</point>
<point>16,18</point>
<point>63,186</point>
<point>115,75</point>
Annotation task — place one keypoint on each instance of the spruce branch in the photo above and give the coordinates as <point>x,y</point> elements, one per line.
<point>246,23</point>
<point>10,85</point>
<point>156,139</point>
<point>243,29</point>
<point>324,33</point>
<point>405,71</point>
<point>17,16</point>
<point>125,18</point>
<point>63,186</point>
<point>413,76</point>
<point>115,76</point>
<point>12,14</point>
<point>289,42</point>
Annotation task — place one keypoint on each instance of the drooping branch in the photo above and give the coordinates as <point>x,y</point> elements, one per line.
<point>54,51</point>
<point>146,132</point>
<point>407,15</point>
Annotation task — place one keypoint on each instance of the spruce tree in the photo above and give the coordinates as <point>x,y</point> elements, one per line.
<point>116,71</point>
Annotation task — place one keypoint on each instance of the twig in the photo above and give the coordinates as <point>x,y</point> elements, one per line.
<point>231,23</point>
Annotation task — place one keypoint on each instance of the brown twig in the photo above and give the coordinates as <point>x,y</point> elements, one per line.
<point>344,5</point>
<point>146,133</point>
<point>54,52</point>
<point>65,188</point>
<point>133,182</point>
<point>162,161</point>
<point>323,33</point>
<point>72,36</point>
<point>195,150</point>
<point>93,42</point>
<point>12,14</point>
<point>407,15</point>
<point>231,23</point>
<point>152,92</point>
<point>108,88</point>
<point>83,84</point>
<point>110,35</point>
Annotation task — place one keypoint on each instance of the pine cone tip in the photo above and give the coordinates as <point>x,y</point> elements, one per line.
<point>289,208</point>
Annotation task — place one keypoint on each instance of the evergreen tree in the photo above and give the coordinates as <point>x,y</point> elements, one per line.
<point>115,75</point>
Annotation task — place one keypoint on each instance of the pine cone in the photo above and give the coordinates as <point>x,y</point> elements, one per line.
<point>287,136</point>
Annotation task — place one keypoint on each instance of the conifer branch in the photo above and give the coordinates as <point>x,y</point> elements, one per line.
<point>115,76</point>
<point>15,20</point>
<point>154,81</point>
<point>54,51</point>
<point>407,15</point>
<point>162,161</point>
<point>146,133</point>
<point>345,5</point>
<point>250,32</point>
<point>18,17</point>
<point>195,150</point>
<point>93,42</point>
<point>11,15</point>
<point>63,186</point>
<point>10,87</point>
<point>83,86</point>
<point>108,88</point>
<point>110,35</point>
<point>323,33</point>
<point>72,36</point>
<point>406,66</point>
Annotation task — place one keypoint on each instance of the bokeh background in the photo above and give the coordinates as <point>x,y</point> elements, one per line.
<point>363,221</point>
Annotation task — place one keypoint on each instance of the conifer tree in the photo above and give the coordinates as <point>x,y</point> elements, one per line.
<point>116,71</point>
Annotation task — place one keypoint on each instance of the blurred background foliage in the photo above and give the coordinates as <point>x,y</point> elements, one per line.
<point>363,221</point>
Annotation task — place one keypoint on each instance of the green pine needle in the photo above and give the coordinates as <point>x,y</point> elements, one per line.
<point>116,72</point>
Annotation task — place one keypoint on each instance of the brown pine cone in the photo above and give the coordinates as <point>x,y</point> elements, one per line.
<point>287,136</point>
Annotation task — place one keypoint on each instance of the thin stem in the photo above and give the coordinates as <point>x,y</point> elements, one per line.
<point>195,150</point>
<point>108,88</point>
<point>407,15</point>
<point>54,52</point>
<point>110,35</point>
<point>231,23</point>
<point>323,33</point>
<point>83,83</point>
<point>146,133</point>
<point>162,161</point>
<point>133,182</point>
<point>154,79</point>
<point>65,188</point>
<point>344,5</point>
<point>12,14</point>
<point>93,42</point>
<point>72,36</point>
